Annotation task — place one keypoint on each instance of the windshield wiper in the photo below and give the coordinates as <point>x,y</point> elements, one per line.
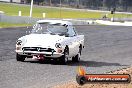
<point>52,33</point>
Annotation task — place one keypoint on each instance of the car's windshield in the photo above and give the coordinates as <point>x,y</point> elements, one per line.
<point>42,28</point>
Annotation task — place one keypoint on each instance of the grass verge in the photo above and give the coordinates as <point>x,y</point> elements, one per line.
<point>12,9</point>
<point>6,25</point>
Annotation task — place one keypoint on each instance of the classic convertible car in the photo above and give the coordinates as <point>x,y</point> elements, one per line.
<point>52,39</point>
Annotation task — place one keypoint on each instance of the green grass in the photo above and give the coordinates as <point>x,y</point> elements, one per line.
<point>6,25</point>
<point>12,9</point>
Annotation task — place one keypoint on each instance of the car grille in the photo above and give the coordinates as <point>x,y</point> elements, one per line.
<point>39,49</point>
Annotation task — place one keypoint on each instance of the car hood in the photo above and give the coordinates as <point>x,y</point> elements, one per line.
<point>42,40</point>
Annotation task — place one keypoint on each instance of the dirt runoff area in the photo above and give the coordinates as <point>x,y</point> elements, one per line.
<point>101,85</point>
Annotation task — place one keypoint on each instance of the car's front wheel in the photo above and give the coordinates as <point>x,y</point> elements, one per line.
<point>77,57</point>
<point>64,58</point>
<point>20,57</point>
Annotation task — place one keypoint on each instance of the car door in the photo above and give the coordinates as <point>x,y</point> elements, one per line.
<point>76,43</point>
<point>73,47</point>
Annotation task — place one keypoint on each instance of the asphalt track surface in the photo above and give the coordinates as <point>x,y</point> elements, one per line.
<point>107,48</point>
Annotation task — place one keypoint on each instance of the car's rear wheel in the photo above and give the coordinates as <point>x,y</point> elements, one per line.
<point>20,57</point>
<point>77,57</point>
<point>64,58</point>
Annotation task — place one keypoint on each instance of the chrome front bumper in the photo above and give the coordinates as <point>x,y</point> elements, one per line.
<point>46,54</point>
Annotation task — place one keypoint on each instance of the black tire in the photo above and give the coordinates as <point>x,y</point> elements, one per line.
<point>77,57</point>
<point>55,61</point>
<point>64,58</point>
<point>20,57</point>
<point>80,49</point>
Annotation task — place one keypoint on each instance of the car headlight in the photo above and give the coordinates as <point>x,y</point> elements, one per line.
<point>58,45</point>
<point>19,42</point>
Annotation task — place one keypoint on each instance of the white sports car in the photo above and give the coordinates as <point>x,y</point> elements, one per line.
<point>52,39</point>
